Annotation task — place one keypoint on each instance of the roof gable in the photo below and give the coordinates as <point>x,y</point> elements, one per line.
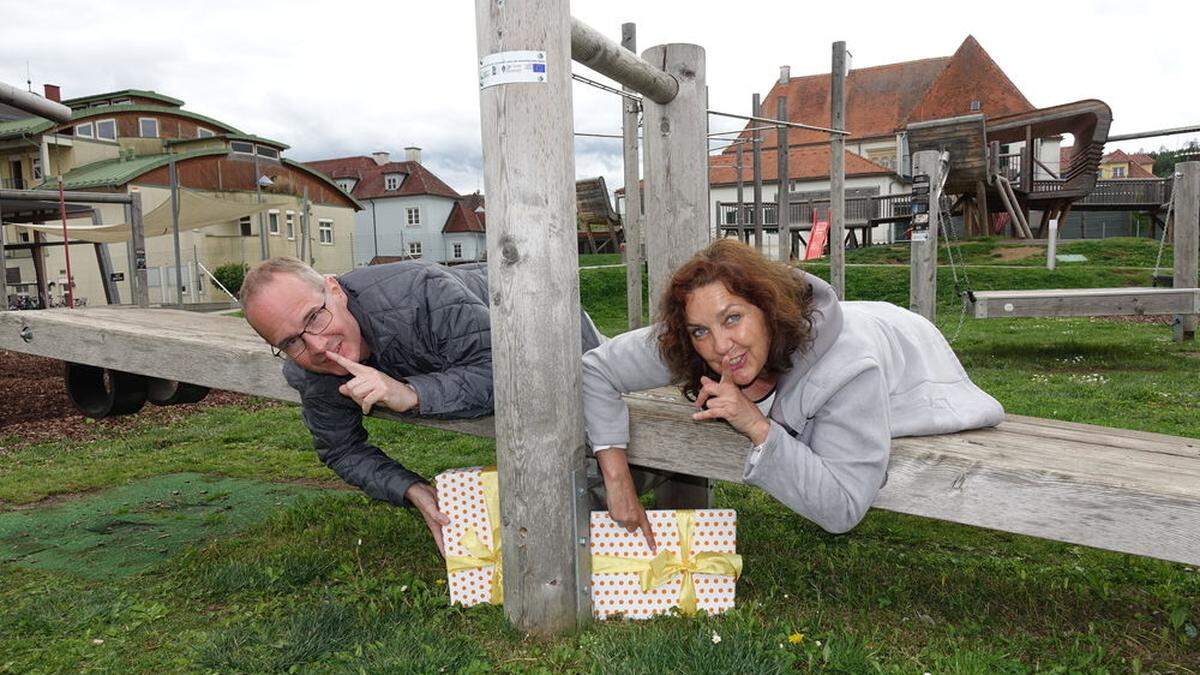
<point>462,218</point>
<point>970,75</point>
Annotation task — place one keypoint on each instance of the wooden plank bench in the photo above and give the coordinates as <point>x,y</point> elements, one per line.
<point>1083,302</point>
<point>1120,490</point>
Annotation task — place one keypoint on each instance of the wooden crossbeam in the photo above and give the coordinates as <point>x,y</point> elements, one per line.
<point>1083,302</point>
<point>1115,489</point>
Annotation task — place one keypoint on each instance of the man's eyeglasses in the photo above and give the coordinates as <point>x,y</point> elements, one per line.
<point>316,324</point>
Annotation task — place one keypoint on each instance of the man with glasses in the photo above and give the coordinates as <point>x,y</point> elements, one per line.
<point>411,336</point>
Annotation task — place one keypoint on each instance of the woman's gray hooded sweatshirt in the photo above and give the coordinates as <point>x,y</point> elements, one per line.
<point>872,372</point>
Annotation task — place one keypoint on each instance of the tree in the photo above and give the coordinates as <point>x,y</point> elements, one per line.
<point>231,276</point>
<point>1165,160</point>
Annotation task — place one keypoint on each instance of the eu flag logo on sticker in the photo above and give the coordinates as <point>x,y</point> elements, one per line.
<point>539,67</point>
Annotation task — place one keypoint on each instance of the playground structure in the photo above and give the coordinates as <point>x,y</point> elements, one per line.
<point>1125,491</point>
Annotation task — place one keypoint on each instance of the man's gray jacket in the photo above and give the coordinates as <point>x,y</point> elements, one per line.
<point>425,324</point>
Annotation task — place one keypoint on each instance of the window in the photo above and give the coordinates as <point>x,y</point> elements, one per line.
<point>264,151</point>
<point>201,132</point>
<point>148,127</point>
<point>85,130</point>
<point>106,130</point>
<point>414,249</point>
<point>273,222</point>
<point>975,105</point>
<point>392,182</point>
<point>347,184</point>
<point>120,101</point>
<point>413,216</point>
<point>457,251</point>
<point>289,225</point>
<point>325,232</point>
<point>1118,172</point>
<point>244,223</point>
<point>37,168</point>
<point>242,147</point>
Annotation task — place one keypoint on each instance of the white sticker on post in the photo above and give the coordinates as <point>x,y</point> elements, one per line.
<point>509,67</point>
<point>920,235</point>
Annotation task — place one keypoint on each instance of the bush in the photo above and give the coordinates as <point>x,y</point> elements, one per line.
<point>231,276</point>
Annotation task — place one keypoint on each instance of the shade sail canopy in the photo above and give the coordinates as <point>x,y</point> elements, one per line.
<point>196,210</point>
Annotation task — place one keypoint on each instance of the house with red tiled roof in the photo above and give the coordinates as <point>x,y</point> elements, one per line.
<point>409,212</point>
<point>1120,164</point>
<point>881,101</point>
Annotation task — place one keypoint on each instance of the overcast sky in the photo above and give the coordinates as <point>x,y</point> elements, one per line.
<point>346,78</point>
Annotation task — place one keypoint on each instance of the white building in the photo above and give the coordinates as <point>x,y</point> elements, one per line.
<point>409,212</point>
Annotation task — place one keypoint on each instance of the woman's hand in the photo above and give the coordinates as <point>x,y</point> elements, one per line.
<point>623,504</point>
<point>727,402</point>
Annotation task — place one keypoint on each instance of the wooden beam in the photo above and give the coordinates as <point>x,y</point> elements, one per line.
<point>1128,491</point>
<point>635,257</point>
<point>591,48</point>
<point>3,262</point>
<point>1187,241</point>
<point>112,295</point>
<point>677,198</point>
<point>837,172</point>
<point>529,178</point>
<point>1083,302</point>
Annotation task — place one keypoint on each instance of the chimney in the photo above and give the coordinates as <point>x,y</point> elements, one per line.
<point>53,93</point>
<point>785,74</point>
<point>412,154</point>
<point>381,157</point>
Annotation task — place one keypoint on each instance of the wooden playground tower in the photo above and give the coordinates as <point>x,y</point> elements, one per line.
<point>1121,490</point>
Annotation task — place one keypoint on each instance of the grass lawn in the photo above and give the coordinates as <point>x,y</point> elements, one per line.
<point>298,574</point>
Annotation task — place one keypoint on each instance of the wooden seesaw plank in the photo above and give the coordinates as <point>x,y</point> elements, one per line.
<point>1083,302</point>
<point>1128,491</point>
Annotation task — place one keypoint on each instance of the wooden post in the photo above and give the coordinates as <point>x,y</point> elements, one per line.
<point>3,262</point>
<point>634,253</point>
<point>112,295</point>
<point>533,271</point>
<point>677,200</point>
<point>171,176</point>
<point>137,266</point>
<point>739,217</point>
<point>1187,240</point>
<point>981,204</point>
<point>756,162</point>
<point>922,271</point>
<point>837,172</point>
<point>782,198</point>
<point>39,268</point>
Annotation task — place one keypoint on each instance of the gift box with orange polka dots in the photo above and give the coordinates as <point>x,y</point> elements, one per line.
<point>461,497</point>
<point>621,594</point>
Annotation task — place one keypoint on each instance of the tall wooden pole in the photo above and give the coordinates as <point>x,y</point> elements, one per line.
<point>137,266</point>
<point>1187,240</point>
<point>782,198</point>
<point>922,271</point>
<point>756,162</point>
<point>3,263</point>
<point>173,177</point>
<point>529,178</point>
<point>112,295</point>
<point>677,200</point>
<point>739,217</point>
<point>634,253</point>
<point>837,171</point>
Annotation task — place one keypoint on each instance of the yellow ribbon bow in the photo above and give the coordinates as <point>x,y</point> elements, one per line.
<point>480,555</point>
<point>667,565</point>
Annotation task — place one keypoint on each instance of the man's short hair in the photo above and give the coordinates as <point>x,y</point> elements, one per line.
<point>262,274</point>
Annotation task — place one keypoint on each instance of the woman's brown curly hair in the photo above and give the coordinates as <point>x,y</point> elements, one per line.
<point>782,295</point>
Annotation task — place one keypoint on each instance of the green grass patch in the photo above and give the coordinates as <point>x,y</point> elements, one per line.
<point>335,583</point>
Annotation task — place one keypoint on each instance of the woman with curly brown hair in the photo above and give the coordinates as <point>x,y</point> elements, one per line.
<point>818,387</point>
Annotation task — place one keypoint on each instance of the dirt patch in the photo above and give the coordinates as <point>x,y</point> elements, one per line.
<point>1010,253</point>
<point>34,407</point>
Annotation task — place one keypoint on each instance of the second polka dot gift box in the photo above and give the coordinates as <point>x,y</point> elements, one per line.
<point>695,569</point>
<point>470,499</point>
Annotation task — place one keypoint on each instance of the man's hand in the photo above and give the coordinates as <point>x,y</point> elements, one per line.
<point>369,386</point>
<point>727,402</point>
<point>423,497</point>
<point>623,504</point>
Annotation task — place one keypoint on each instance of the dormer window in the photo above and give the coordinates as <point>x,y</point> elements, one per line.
<point>392,181</point>
<point>346,184</point>
<point>242,147</point>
